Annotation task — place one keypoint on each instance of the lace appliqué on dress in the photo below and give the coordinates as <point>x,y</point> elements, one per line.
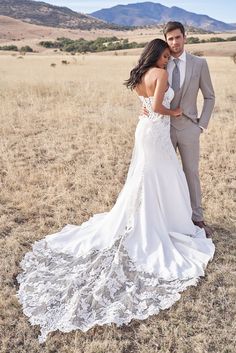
<point>100,288</point>
<point>160,128</point>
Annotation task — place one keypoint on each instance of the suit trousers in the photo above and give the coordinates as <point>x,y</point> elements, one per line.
<point>187,141</point>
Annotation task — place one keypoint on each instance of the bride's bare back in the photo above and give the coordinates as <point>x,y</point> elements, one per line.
<point>154,84</point>
<point>147,86</point>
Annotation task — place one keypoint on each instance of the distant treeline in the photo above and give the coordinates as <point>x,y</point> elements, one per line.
<point>111,43</point>
<point>196,40</point>
<point>25,49</point>
<point>100,44</point>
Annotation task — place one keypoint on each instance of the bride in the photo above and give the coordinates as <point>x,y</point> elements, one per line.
<point>134,260</point>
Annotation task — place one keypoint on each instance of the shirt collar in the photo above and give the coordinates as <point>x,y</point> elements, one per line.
<point>182,57</point>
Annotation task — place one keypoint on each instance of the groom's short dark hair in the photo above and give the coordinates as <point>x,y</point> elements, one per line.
<point>171,26</point>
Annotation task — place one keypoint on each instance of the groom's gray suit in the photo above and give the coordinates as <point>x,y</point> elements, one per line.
<point>186,130</point>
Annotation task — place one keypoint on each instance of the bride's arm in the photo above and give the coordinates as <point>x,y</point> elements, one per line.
<point>157,106</point>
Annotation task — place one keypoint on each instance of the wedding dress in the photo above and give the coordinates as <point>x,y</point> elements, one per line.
<point>127,263</point>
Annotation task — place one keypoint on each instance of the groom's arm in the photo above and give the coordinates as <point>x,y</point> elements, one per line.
<point>208,93</point>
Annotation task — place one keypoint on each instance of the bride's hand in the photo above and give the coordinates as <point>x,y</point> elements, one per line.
<point>177,112</point>
<point>143,111</point>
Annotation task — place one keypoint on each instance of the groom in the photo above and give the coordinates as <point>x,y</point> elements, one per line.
<point>187,75</point>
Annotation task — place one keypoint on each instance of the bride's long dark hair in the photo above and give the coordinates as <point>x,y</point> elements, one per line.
<point>151,53</point>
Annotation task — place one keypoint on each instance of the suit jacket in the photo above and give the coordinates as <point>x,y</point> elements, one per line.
<point>197,77</point>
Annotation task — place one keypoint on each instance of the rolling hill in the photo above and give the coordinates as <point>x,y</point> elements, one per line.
<point>149,13</point>
<point>41,13</point>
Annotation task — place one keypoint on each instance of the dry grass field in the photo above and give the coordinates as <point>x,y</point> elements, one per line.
<point>66,139</point>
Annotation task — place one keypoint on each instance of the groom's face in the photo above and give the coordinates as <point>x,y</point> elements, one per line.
<point>176,41</point>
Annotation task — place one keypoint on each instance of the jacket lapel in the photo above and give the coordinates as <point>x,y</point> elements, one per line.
<point>188,73</point>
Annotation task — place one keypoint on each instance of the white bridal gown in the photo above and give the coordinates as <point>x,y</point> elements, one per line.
<point>127,263</point>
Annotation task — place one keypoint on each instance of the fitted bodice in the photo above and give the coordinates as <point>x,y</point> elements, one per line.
<point>147,102</point>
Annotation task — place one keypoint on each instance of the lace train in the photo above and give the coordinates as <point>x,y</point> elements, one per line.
<point>60,291</point>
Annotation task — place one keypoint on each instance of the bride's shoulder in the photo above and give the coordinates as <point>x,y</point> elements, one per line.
<point>156,72</point>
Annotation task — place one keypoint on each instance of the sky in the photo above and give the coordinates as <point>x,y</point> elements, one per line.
<point>222,10</point>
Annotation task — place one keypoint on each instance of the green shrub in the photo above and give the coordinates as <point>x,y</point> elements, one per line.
<point>231,39</point>
<point>9,47</point>
<point>83,46</point>
<point>26,49</point>
<point>216,39</point>
<point>193,40</point>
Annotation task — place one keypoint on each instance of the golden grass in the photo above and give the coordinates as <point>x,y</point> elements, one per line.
<point>66,139</point>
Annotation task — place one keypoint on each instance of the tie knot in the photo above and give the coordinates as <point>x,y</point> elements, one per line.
<point>176,61</point>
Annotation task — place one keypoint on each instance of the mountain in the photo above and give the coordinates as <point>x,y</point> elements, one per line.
<point>41,13</point>
<point>149,13</point>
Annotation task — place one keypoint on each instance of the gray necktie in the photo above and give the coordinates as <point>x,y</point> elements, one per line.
<point>176,76</point>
